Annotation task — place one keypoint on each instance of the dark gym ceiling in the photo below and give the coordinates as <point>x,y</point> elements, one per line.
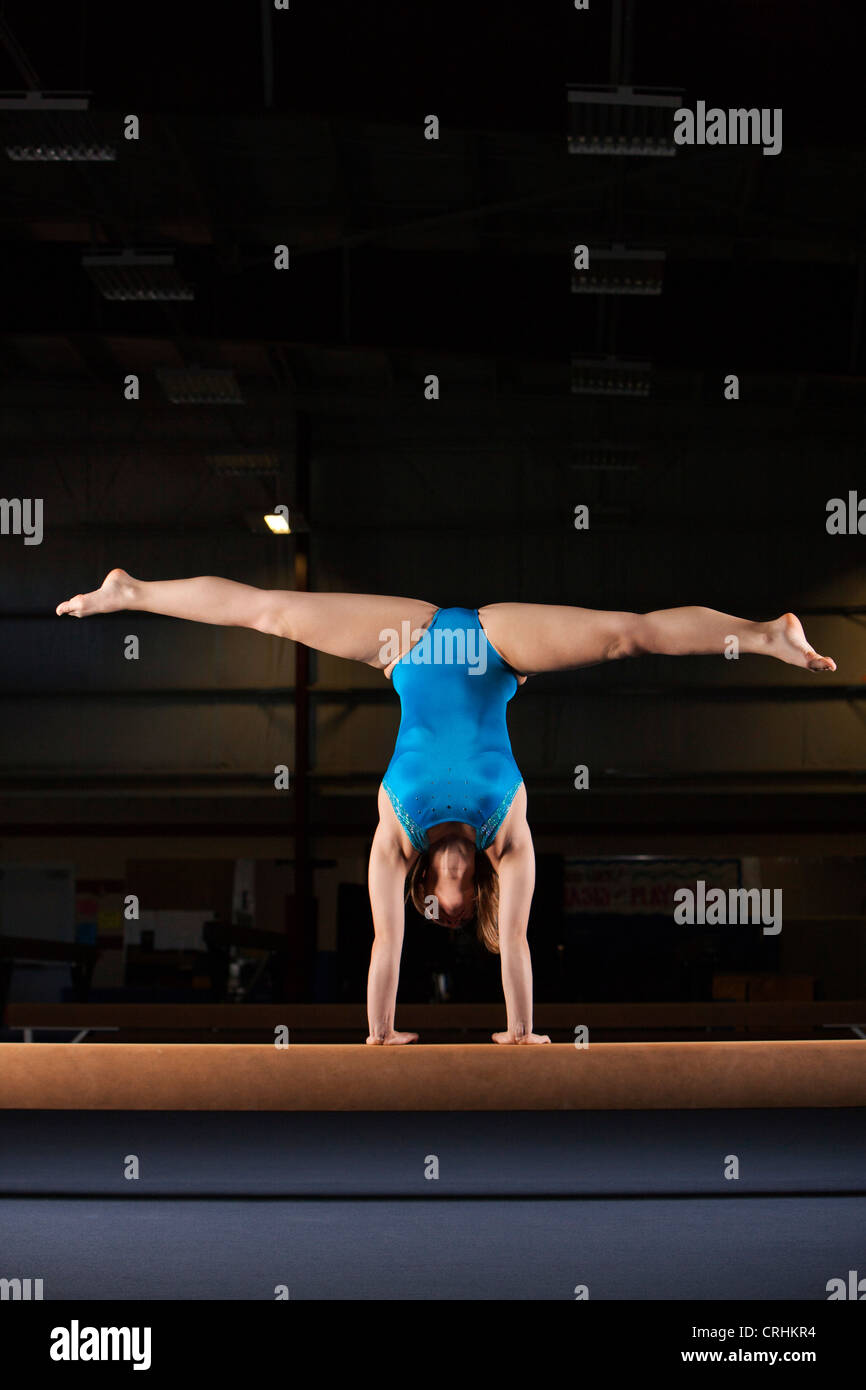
<point>408,256</point>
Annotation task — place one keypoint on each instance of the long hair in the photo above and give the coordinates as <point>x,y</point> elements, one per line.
<point>486,896</point>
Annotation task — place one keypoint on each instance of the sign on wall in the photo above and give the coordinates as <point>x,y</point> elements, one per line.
<point>633,886</point>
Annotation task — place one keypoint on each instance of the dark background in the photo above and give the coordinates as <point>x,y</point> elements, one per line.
<point>411,257</point>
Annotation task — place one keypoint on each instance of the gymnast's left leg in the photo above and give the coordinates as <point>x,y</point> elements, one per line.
<point>536,637</point>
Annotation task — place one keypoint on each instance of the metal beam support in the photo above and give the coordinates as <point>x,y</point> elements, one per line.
<point>268,53</point>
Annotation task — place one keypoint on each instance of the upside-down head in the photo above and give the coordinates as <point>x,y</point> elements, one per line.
<point>452,883</point>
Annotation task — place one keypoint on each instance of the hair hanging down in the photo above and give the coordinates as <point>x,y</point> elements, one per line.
<point>486,897</point>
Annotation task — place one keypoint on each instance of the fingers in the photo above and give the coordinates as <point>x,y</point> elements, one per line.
<point>526,1039</point>
<point>503,1039</point>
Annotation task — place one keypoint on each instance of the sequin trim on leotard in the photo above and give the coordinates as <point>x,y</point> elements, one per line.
<point>487,832</point>
<point>413,830</point>
<point>484,835</point>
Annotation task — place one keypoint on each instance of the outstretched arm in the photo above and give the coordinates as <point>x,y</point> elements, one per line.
<point>386,877</point>
<point>516,869</point>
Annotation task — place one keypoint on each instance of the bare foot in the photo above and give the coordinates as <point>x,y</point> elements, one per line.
<point>393,1040</point>
<point>115,593</point>
<point>788,642</point>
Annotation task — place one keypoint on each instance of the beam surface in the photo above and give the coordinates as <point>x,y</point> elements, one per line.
<point>604,1076</point>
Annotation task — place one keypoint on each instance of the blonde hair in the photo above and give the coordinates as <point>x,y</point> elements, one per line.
<point>486,896</point>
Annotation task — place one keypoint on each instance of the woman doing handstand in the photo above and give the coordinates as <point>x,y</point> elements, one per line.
<point>452,804</point>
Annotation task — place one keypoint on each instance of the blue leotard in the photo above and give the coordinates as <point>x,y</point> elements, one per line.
<point>453,760</point>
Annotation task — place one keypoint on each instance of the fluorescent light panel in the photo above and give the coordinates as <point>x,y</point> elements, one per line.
<point>44,101</point>
<point>617,270</point>
<point>53,128</point>
<point>622,121</point>
<point>136,276</point>
<point>199,386</point>
<point>604,457</point>
<point>51,153</point>
<point>609,376</point>
<point>251,465</point>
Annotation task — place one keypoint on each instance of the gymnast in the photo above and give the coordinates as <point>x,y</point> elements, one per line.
<point>452,832</point>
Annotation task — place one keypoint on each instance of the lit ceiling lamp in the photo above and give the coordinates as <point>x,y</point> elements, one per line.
<point>282,521</point>
<point>134,275</point>
<point>53,128</point>
<point>617,270</point>
<point>622,120</point>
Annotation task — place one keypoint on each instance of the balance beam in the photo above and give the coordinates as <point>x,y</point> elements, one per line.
<point>604,1076</point>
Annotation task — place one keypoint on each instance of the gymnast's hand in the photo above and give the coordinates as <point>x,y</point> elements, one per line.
<point>392,1039</point>
<point>521,1040</point>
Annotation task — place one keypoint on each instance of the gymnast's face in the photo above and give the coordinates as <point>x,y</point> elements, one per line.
<point>450,877</point>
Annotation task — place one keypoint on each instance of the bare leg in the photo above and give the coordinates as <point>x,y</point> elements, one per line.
<point>346,625</point>
<point>535,637</point>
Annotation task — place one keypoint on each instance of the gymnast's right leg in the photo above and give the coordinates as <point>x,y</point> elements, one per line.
<point>345,625</point>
